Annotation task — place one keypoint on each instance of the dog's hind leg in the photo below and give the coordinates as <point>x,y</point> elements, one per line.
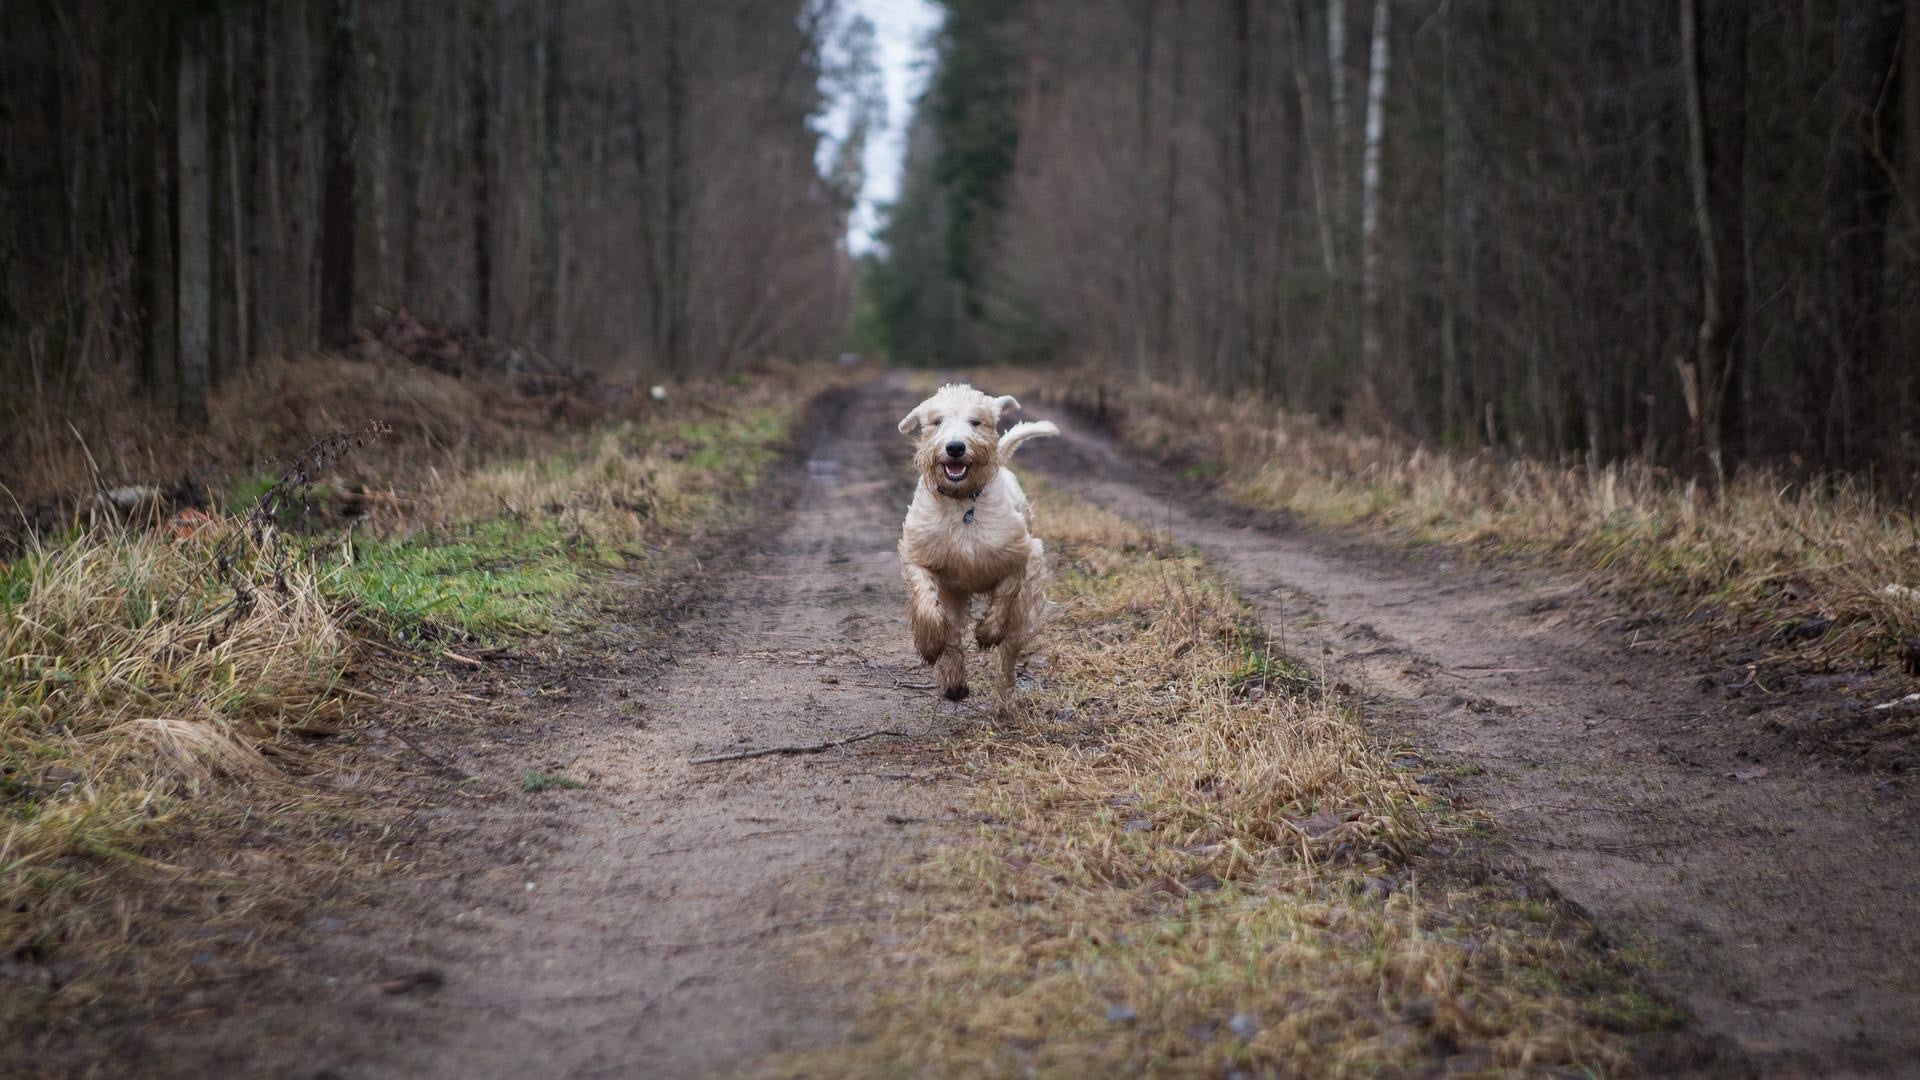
<point>1020,614</point>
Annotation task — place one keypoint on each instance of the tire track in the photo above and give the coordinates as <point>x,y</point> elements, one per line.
<point>1783,902</point>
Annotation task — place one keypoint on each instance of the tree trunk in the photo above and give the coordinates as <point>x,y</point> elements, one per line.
<point>239,180</point>
<point>1339,134</point>
<point>270,259</point>
<point>1372,301</point>
<point>1859,196</point>
<point>1310,129</point>
<point>339,212</point>
<point>547,270</point>
<point>410,135</point>
<point>1453,127</point>
<point>1142,183</point>
<point>480,102</point>
<point>679,201</point>
<point>1166,283</point>
<point>650,260</point>
<point>155,241</point>
<point>194,290</point>
<point>1713,59</point>
<point>222,239</point>
<point>1250,361</point>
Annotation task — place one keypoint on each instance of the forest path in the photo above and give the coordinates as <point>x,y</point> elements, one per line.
<point>647,926</point>
<point>1784,901</point>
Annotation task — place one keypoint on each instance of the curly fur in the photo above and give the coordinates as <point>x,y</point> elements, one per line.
<point>969,535</point>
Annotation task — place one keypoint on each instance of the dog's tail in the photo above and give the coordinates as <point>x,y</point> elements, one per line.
<point>1021,432</point>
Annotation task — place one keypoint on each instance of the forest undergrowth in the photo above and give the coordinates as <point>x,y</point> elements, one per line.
<point>1824,570</point>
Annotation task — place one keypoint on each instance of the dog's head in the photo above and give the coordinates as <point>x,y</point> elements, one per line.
<point>958,438</point>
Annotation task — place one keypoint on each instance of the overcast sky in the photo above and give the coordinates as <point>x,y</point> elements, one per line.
<point>901,29</point>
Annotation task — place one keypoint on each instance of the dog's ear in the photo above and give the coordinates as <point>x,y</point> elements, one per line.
<point>911,420</point>
<point>1005,402</point>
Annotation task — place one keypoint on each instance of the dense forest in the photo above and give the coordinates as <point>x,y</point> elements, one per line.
<point>1680,228</point>
<point>186,186</point>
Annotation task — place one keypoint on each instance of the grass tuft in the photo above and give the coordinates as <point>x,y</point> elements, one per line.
<point>539,781</point>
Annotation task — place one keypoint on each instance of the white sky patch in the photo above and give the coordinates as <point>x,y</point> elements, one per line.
<point>902,30</point>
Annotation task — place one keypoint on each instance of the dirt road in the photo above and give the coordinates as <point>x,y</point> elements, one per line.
<point>646,924</point>
<point>649,935</point>
<point>654,923</point>
<point>1783,900</point>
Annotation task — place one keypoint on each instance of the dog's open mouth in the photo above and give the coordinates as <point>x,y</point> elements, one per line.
<point>956,471</point>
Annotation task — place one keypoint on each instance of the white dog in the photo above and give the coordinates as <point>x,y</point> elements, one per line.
<point>967,534</point>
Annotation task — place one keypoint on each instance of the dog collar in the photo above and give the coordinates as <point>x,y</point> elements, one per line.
<point>967,518</point>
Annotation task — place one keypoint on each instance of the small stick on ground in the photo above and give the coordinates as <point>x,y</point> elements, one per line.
<point>810,748</point>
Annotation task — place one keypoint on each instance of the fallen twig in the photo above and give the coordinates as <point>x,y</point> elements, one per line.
<point>811,748</point>
<point>1489,672</point>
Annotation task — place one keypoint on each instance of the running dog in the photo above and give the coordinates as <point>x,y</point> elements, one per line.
<point>968,533</point>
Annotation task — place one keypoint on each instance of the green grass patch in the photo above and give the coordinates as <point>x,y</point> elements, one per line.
<point>538,781</point>
<point>487,580</point>
<point>555,521</point>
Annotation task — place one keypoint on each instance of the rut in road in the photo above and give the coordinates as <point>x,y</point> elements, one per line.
<point>651,934</point>
<point>1784,903</point>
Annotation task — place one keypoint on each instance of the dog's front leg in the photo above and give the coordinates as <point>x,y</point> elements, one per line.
<point>953,659</point>
<point>924,612</point>
<point>938,616</point>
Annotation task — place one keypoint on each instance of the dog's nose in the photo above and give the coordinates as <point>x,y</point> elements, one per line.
<point>956,448</point>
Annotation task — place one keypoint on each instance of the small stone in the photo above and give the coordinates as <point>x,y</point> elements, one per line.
<point>1420,1011</point>
<point>1318,824</point>
<point>418,980</point>
<point>1121,1014</point>
<point>1243,1026</point>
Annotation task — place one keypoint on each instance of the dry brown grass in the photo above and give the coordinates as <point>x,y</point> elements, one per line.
<point>1765,552</point>
<point>1195,861</point>
<point>144,708</point>
<point>165,719</point>
<point>48,451</point>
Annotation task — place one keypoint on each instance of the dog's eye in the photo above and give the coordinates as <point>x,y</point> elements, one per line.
<point>975,423</point>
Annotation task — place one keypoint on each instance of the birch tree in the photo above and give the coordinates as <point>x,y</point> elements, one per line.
<point>1372,302</point>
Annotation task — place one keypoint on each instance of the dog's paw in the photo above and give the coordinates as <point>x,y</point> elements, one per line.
<point>957,693</point>
<point>990,634</point>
